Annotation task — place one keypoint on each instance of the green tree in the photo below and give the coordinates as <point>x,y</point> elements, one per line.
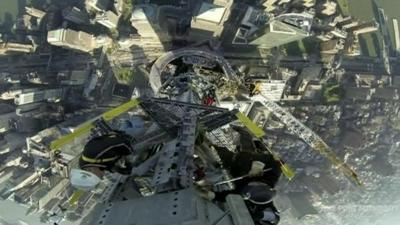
<point>114,34</point>
<point>124,75</point>
<point>332,93</point>
<point>127,10</point>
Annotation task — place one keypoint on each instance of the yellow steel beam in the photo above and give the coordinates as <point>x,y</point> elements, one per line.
<point>253,128</point>
<point>259,133</point>
<point>86,127</point>
<point>75,197</point>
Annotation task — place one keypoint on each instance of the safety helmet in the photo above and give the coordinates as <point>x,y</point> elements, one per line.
<point>83,180</point>
<point>270,216</point>
<point>258,193</point>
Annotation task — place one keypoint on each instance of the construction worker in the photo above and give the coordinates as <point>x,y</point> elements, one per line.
<point>251,158</point>
<point>99,155</point>
<point>259,173</point>
<point>106,153</point>
<point>102,154</point>
<point>260,167</point>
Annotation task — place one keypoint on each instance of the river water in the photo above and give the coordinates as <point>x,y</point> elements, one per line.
<point>364,10</point>
<point>8,12</point>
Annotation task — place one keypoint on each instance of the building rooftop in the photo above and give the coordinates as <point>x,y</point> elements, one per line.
<point>311,73</point>
<point>359,93</point>
<point>69,38</point>
<point>143,12</point>
<point>210,12</point>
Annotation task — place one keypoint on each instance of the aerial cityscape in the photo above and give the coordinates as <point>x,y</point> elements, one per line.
<point>200,112</point>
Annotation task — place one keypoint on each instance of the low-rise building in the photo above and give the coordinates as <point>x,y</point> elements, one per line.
<point>307,75</point>
<point>362,94</point>
<point>38,96</point>
<point>388,94</point>
<point>332,46</point>
<point>365,27</point>
<point>328,8</point>
<point>270,89</point>
<point>35,12</point>
<point>13,48</point>
<point>75,77</point>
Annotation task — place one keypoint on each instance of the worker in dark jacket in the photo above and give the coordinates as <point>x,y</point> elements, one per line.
<point>101,154</point>
<point>107,152</point>
<point>260,173</point>
<point>250,163</point>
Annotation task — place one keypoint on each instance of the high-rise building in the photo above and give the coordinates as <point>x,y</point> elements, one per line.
<point>344,23</point>
<point>71,39</point>
<point>278,33</point>
<point>146,21</point>
<point>119,6</point>
<point>108,19</point>
<point>208,20</point>
<point>99,5</point>
<point>396,35</point>
<point>76,15</point>
<point>264,30</point>
<point>261,30</point>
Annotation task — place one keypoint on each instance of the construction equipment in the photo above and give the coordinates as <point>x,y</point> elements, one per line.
<point>179,124</point>
<point>311,138</point>
<point>238,178</point>
<point>174,167</point>
<point>303,132</point>
<point>86,127</point>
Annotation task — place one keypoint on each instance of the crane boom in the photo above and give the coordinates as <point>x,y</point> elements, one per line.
<point>311,138</point>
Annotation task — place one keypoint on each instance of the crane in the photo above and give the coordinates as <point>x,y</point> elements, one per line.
<point>310,138</point>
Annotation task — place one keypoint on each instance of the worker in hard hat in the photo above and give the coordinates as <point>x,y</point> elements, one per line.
<point>260,173</point>
<point>260,167</point>
<point>106,153</point>
<point>102,154</point>
<point>259,200</point>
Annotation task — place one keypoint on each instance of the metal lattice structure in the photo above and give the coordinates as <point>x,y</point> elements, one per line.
<point>311,138</point>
